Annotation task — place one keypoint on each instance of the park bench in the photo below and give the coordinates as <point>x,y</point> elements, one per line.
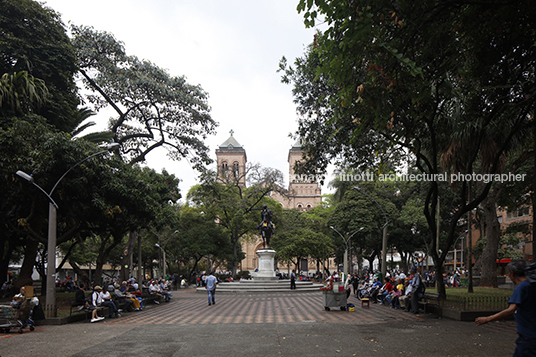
<point>147,297</point>
<point>429,299</point>
<point>77,306</point>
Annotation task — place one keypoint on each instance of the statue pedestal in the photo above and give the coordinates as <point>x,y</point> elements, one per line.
<point>266,264</point>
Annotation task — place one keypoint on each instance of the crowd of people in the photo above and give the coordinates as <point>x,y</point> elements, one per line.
<point>122,296</point>
<point>397,289</point>
<point>116,297</point>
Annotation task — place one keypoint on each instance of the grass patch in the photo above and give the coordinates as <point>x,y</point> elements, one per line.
<point>482,299</point>
<point>477,291</point>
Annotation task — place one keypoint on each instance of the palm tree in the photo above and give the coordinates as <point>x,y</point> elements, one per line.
<point>80,126</point>
<point>20,91</point>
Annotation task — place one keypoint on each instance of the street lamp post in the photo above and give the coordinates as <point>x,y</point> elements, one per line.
<point>164,256</point>
<point>346,243</point>
<point>50,302</point>
<point>384,239</point>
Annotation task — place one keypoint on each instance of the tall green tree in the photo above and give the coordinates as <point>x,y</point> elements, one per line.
<point>302,235</point>
<point>199,237</point>
<point>152,108</point>
<point>438,80</point>
<point>34,40</point>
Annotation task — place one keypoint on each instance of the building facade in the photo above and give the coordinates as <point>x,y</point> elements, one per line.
<point>303,193</point>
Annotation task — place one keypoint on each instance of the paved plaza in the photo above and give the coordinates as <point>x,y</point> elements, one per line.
<point>286,324</point>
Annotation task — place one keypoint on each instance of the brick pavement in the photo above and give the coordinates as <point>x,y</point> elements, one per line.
<point>282,325</point>
<point>189,307</point>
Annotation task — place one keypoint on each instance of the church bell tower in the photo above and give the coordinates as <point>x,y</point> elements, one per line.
<point>231,159</point>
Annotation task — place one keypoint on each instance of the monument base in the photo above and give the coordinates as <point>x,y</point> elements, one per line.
<point>266,264</point>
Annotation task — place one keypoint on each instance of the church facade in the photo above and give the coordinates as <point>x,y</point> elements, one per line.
<point>302,194</point>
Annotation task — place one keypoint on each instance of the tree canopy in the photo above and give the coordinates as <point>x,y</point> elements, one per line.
<point>449,83</point>
<point>152,108</point>
<point>34,40</point>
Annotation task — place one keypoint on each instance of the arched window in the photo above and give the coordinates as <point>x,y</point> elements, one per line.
<point>236,169</point>
<point>224,169</point>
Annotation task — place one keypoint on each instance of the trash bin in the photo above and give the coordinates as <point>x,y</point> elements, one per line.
<point>332,298</point>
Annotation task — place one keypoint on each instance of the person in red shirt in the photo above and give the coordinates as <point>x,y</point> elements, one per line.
<point>385,290</point>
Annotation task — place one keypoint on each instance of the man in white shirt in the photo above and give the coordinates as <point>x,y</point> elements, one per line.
<point>154,289</point>
<point>108,302</point>
<point>405,301</point>
<point>164,290</point>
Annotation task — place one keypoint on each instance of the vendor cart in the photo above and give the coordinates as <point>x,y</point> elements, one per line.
<point>12,318</point>
<point>332,298</point>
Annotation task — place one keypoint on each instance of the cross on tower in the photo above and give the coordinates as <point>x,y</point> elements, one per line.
<point>231,132</point>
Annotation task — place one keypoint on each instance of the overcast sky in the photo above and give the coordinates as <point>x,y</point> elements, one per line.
<point>231,48</point>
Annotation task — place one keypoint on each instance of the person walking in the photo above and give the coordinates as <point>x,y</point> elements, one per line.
<point>293,280</point>
<point>210,285</point>
<point>522,303</point>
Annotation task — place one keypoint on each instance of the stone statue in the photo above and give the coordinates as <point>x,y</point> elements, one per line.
<point>266,228</point>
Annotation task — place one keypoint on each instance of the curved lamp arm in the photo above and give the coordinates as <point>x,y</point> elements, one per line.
<point>108,148</point>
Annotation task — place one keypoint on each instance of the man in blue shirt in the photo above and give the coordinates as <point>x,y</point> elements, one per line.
<point>522,303</point>
<point>210,285</point>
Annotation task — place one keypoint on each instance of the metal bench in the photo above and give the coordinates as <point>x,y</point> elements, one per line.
<point>78,306</point>
<point>429,299</point>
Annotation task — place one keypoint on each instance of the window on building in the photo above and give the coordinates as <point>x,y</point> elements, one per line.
<point>522,212</point>
<point>236,170</point>
<point>224,169</point>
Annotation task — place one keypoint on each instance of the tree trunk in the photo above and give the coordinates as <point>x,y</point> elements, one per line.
<point>6,251</point>
<point>493,236</point>
<point>235,252</point>
<point>99,263</point>
<point>359,262</point>
<point>126,260</point>
<point>439,268</point>
<point>41,269</point>
<point>26,270</point>
<point>82,275</point>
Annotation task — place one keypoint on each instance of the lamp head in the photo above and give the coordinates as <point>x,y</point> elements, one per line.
<point>112,146</point>
<point>25,176</point>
